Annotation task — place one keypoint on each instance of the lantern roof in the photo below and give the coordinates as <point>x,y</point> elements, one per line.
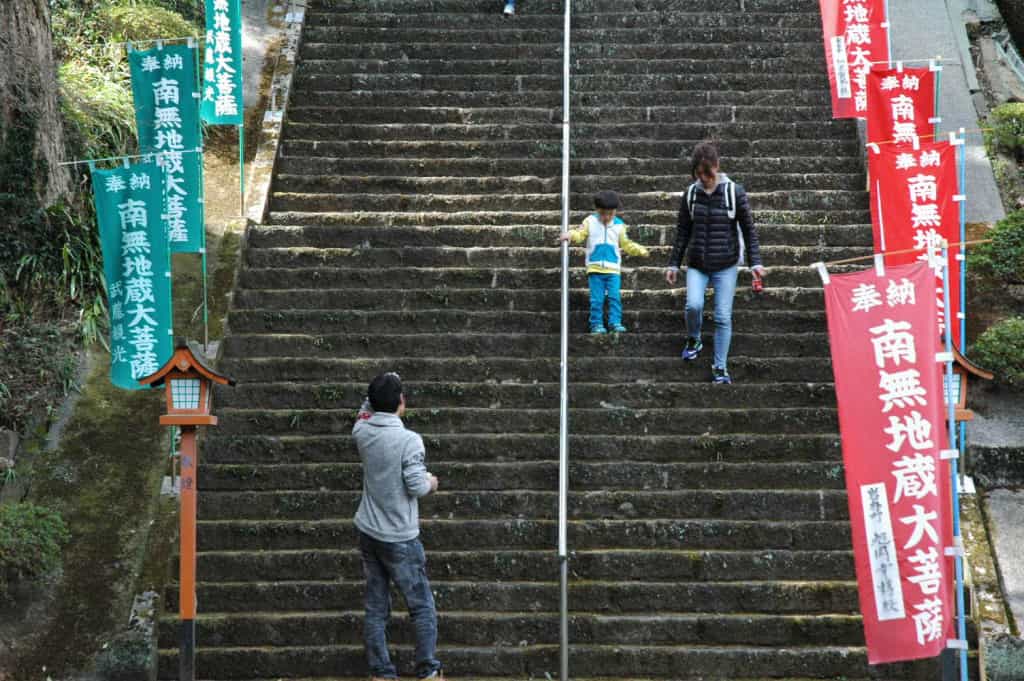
<point>972,368</point>
<point>187,355</point>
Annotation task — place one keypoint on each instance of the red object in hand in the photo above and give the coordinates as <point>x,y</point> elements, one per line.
<point>757,284</point>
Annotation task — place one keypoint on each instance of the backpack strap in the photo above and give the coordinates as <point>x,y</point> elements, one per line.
<point>730,199</point>
<point>691,197</point>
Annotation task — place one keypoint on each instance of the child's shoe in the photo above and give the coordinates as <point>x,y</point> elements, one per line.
<point>692,349</point>
<point>720,376</point>
<point>510,8</point>
<point>618,328</point>
<point>598,329</point>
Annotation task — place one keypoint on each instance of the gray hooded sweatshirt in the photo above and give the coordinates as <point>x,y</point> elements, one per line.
<point>394,476</point>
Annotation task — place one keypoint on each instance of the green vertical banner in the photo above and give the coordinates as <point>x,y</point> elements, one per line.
<point>222,63</point>
<point>136,263</point>
<point>167,115</point>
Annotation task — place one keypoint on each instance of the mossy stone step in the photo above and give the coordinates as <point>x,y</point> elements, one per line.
<point>530,235</point>
<point>554,8</point>
<point>500,369</point>
<point>487,167</point>
<point>636,184</point>
<point>299,448</point>
<point>767,597</point>
<point>582,22</point>
<point>342,396</point>
<point>379,96</point>
<point>585,502</point>
<point>512,629</point>
<point>508,565</point>
<point>509,345</point>
<point>478,489</point>
<point>469,534</point>
<point>581,52</point>
<point>810,64</point>
<point>437,320</point>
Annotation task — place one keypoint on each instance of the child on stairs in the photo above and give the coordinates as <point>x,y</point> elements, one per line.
<point>605,236</point>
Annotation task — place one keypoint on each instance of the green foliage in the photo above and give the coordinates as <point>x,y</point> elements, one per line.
<point>1000,262</point>
<point>31,538</point>
<point>143,21</point>
<point>97,102</point>
<point>1001,350</point>
<point>1007,130</point>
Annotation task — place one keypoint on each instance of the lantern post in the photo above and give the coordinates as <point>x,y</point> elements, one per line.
<point>188,379</point>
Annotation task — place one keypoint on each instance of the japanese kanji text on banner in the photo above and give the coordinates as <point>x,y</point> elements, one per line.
<point>901,104</point>
<point>167,115</point>
<point>136,266</point>
<point>856,34</point>
<point>222,63</point>
<point>891,420</point>
<point>914,205</point>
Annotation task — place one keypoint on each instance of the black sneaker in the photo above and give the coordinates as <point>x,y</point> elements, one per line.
<point>692,349</point>
<point>720,376</point>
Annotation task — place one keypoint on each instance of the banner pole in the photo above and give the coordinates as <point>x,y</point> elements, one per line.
<point>954,473</point>
<point>938,91</point>
<point>202,203</point>
<point>241,166</point>
<point>962,154</point>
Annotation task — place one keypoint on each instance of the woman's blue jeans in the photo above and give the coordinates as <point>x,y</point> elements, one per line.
<point>724,283</point>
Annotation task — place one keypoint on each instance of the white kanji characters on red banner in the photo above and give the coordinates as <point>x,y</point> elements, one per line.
<point>914,429</point>
<point>865,297</point>
<point>915,477</point>
<point>894,342</point>
<point>903,389</point>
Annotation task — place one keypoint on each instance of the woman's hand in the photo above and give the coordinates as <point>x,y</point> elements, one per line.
<point>759,271</point>
<point>563,237</point>
<point>671,276</point>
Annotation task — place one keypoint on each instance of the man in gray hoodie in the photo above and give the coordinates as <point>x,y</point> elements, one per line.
<point>394,478</point>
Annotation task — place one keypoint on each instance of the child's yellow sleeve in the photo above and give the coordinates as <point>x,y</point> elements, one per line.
<point>580,234</point>
<point>630,247</point>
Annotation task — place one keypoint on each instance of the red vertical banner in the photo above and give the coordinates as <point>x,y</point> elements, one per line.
<point>901,104</point>
<point>915,205</point>
<point>856,34</point>
<point>891,420</point>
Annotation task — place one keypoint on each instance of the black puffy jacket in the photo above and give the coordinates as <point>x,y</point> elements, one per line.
<point>710,235</point>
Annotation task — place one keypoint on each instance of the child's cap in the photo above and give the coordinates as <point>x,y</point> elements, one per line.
<point>606,200</point>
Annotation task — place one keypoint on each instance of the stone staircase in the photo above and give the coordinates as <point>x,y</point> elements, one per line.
<point>414,213</point>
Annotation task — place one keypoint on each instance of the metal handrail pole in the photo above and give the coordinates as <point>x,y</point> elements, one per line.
<point>563,419</point>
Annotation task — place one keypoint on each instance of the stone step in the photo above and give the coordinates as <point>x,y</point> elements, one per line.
<point>388,278</point>
<point>551,150</point>
<point>478,236</point>
<point>634,205</point>
<point>495,33</point>
<point>708,447</point>
<point>682,421</point>
<point>461,535</point>
<point>584,23</point>
<point>726,504</point>
<point>544,370</point>
<point>555,8</point>
<point>345,563</point>
<point>523,346</point>
<point>540,257</point>
<point>621,168</point>
<point>552,64</point>
<point>530,661</point>
<point>582,53</point>
<point>630,97</point>
<point>769,597</point>
<point>672,183</point>
<point>514,629</point>
<point>337,395</point>
<point>642,481</point>
<point>523,300</point>
<point>432,320</point>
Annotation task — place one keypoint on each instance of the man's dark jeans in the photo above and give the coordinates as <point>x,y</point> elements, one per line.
<point>405,564</point>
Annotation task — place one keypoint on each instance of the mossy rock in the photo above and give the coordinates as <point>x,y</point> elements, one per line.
<point>144,21</point>
<point>1001,350</point>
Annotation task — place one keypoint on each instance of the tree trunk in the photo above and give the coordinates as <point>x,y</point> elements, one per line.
<point>30,101</point>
